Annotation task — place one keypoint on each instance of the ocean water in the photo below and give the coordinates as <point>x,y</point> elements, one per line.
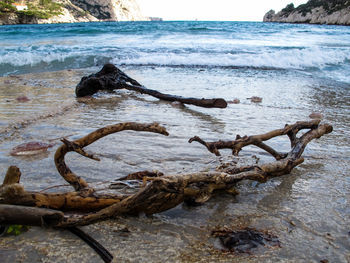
<point>322,51</point>
<point>296,69</point>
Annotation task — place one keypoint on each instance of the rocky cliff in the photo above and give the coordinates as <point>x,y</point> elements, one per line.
<point>72,11</point>
<point>331,12</point>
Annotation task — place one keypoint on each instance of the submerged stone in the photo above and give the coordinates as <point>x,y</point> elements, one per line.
<point>30,148</point>
<point>22,99</point>
<point>234,101</point>
<point>245,240</point>
<point>316,115</point>
<point>255,99</point>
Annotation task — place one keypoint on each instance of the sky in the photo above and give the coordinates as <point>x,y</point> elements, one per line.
<point>225,10</point>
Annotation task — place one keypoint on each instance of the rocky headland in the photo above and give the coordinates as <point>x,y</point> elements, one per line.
<point>330,12</point>
<point>69,11</point>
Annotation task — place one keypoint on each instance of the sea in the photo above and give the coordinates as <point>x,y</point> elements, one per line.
<point>296,69</point>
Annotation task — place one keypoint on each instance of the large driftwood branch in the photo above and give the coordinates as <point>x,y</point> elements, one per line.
<point>162,192</point>
<point>111,78</point>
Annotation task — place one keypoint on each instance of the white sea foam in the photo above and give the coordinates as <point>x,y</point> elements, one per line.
<point>282,59</point>
<point>289,58</point>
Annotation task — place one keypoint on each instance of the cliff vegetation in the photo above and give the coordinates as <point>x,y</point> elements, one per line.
<point>335,12</point>
<point>67,11</point>
<point>330,6</point>
<point>42,9</point>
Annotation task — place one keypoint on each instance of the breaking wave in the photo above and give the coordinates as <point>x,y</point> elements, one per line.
<point>30,59</point>
<point>176,44</point>
<point>282,59</point>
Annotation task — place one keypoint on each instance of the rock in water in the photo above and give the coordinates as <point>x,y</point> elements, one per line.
<point>245,240</point>
<point>108,78</point>
<point>316,115</point>
<point>255,99</point>
<point>22,99</point>
<point>234,101</point>
<point>30,148</point>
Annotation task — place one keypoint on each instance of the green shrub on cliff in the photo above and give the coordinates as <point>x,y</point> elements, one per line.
<point>288,9</point>
<point>7,7</point>
<point>330,6</point>
<point>44,9</point>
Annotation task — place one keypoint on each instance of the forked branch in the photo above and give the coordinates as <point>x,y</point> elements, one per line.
<point>257,140</point>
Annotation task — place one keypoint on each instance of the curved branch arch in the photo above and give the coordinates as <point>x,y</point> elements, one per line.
<point>77,182</point>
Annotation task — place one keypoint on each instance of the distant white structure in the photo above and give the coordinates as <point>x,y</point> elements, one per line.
<point>20,5</point>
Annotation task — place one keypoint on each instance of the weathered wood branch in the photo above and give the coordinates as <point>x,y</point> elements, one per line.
<point>70,201</point>
<point>77,146</point>
<point>206,103</point>
<point>13,176</point>
<point>166,192</point>
<point>257,140</point>
<point>162,192</point>
<point>33,216</point>
<point>11,192</point>
<point>112,78</point>
<point>84,198</point>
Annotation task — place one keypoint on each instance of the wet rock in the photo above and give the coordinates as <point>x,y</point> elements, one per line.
<point>255,99</point>
<point>30,148</point>
<point>22,99</point>
<point>245,240</point>
<point>177,104</point>
<point>316,115</point>
<point>234,101</point>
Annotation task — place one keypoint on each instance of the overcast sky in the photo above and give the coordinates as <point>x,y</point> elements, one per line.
<point>228,10</point>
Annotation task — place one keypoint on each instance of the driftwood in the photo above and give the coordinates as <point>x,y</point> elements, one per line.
<point>157,192</point>
<point>33,216</point>
<point>111,78</point>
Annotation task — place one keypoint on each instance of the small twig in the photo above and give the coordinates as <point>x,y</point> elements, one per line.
<point>59,138</point>
<point>55,186</point>
<point>76,148</point>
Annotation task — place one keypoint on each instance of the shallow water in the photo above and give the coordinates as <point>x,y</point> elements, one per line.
<point>308,210</point>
